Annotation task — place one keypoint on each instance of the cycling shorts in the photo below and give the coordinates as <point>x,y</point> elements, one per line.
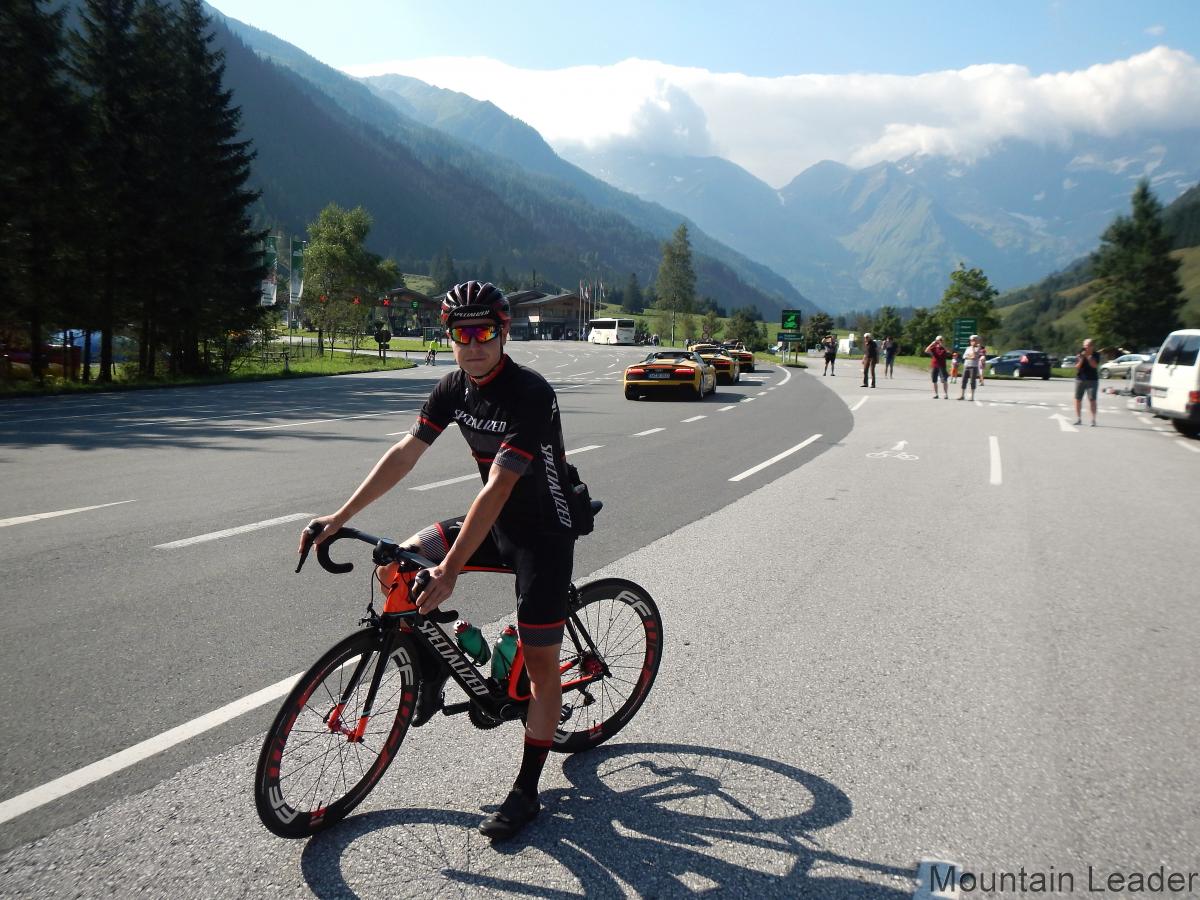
<point>938,373</point>
<point>543,569</point>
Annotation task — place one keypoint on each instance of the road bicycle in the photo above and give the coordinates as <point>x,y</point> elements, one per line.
<point>343,722</point>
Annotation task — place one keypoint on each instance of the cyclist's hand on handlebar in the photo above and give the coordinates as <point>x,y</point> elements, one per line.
<point>317,531</point>
<point>439,587</point>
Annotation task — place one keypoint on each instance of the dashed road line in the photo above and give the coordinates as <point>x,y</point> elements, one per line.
<point>693,419</point>
<point>857,406</point>
<point>996,475</point>
<point>438,484</point>
<point>724,408</point>
<point>1185,445</point>
<point>319,421</point>
<point>648,431</point>
<point>229,532</point>
<point>583,449</point>
<point>21,520</point>
<point>776,458</point>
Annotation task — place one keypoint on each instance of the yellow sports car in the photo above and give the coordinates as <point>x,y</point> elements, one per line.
<point>664,370</point>
<point>738,351</point>
<point>728,369</point>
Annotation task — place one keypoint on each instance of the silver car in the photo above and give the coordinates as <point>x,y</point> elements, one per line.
<point>1122,366</point>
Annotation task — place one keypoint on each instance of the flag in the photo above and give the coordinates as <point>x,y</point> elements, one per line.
<point>297,282</point>
<point>271,264</point>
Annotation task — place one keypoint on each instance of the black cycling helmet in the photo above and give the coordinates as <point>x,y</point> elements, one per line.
<point>474,299</point>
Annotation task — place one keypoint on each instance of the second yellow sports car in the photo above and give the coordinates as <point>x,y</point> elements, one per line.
<point>670,371</point>
<point>729,371</point>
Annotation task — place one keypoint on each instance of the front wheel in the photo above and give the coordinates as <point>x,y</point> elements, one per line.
<point>609,660</point>
<point>323,753</point>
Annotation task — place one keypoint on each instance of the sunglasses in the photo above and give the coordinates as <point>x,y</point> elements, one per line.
<point>480,334</point>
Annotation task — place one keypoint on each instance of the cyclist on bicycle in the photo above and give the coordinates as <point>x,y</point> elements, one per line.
<point>431,353</point>
<point>521,517</point>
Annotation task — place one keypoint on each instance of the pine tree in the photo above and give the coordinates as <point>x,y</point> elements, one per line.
<point>634,302</point>
<point>40,123</point>
<point>1140,295</point>
<point>819,325</point>
<point>442,271</point>
<point>676,281</point>
<point>220,261</point>
<point>103,62</point>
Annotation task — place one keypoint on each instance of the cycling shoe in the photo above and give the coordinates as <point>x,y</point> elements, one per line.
<point>517,811</point>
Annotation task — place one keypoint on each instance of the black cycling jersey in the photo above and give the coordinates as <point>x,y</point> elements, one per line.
<point>512,421</point>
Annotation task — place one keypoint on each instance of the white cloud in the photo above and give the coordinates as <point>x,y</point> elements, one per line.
<point>777,127</point>
<point>1156,30</point>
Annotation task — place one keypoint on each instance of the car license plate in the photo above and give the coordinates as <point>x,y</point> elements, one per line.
<point>658,374</point>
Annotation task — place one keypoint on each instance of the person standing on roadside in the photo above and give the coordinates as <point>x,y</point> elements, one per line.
<point>972,359</point>
<point>937,365</point>
<point>830,345</point>
<point>1087,380</point>
<point>889,357</point>
<point>870,358</point>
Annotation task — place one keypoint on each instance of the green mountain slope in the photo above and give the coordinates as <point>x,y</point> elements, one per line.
<point>441,191</point>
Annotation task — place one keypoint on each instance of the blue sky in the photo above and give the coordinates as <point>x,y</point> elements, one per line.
<point>776,86</point>
<point>754,37</point>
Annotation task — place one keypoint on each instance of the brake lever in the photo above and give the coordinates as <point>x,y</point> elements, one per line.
<point>311,532</point>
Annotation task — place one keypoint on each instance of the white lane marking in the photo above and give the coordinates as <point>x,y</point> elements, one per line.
<point>584,449</point>
<point>649,431</point>
<point>776,458</point>
<point>237,415</point>
<point>723,408</point>
<point>978,403</point>
<point>787,374</point>
<point>1187,446</point>
<point>994,445</point>
<point>21,520</point>
<point>1064,423</point>
<point>693,419</point>
<point>73,781</point>
<point>581,374</point>
<point>857,406</point>
<point>560,365</point>
<point>438,484</point>
<point>746,400</point>
<point>317,421</point>
<point>229,532</point>
<point>762,393</point>
<point>937,880</point>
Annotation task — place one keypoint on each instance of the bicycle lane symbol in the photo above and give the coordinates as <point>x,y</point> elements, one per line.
<point>663,819</point>
<point>896,452</point>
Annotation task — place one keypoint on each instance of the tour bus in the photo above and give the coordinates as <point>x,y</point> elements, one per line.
<point>611,331</point>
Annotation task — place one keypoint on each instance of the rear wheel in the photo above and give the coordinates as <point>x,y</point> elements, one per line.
<point>320,759</point>
<point>700,388</point>
<point>630,394</point>
<point>1187,429</point>
<point>613,643</point>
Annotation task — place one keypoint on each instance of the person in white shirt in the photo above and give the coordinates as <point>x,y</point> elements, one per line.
<point>972,359</point>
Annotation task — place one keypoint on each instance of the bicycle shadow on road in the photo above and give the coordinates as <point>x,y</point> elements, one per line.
<point>660,819</point>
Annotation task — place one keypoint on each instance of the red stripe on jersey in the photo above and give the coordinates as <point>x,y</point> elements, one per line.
<point>517,450</point>
<point>425,421</point>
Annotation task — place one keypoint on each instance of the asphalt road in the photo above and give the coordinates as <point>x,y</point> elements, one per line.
<point>934,632</point>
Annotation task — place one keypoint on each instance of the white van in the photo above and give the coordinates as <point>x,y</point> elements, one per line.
<point>1175,381</point>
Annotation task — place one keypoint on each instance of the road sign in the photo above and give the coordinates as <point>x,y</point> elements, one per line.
<point>790,337</point>
<point>791,319</point>
<point>963,329</point>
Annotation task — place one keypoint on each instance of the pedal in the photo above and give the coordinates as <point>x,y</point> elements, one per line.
<point>566,713</point>
<point>454,709</point>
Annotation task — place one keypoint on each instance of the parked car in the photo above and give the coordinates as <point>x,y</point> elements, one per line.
<point>1021,364</point>
<point>1175,382</point>
<point>1068,362</point>
<point>1140,386</point>
<point>1122,366</point>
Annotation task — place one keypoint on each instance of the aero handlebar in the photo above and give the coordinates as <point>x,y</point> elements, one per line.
<point>385,552</point>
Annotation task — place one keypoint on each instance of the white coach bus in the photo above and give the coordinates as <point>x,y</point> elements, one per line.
<point>611,331</point>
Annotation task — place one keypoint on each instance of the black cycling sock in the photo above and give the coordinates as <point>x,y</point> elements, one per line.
<point>532,761</point>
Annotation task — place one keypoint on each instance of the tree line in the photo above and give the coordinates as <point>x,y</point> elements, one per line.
<point>123,200</point>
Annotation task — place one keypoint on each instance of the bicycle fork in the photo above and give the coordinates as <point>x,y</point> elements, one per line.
<point>334,721</point>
